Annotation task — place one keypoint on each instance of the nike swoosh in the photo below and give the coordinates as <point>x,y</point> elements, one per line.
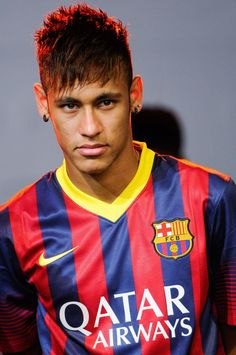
<point>46,261</point>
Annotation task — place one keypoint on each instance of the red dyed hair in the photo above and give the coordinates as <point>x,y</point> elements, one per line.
<point>81,45</point>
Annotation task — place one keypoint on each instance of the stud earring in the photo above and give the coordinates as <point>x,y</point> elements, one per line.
<point>45,118</point>
<point>137,109</point>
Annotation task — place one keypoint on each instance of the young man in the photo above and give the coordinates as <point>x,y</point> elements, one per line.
<point>120,250</point>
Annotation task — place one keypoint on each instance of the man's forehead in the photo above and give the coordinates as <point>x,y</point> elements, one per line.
<point>95,76</point>
<point>114,85</point>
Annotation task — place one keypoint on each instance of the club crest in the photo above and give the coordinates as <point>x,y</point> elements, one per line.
<point>172,239</point>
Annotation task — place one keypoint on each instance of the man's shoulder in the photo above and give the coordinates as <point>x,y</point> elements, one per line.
<point>192,177</point>
<point>184,166</point>
<point>17,202</point>
<point>197,168</point>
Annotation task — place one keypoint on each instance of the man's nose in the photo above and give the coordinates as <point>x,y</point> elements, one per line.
<point>89,124</point>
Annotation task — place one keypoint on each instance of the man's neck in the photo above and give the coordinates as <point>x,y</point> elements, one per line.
<point>108,185</point>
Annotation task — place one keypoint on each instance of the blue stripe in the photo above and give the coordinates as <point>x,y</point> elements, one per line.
<point>220,217</point>
<point>44,332</point>
<point>180,249</point>
<point>187,246</point>
<point>169,206</point>
<point>160,247</point>
<point>18,299</point>
<point>118,269</point>
<point>208,325</point>
<point>57,238</point>
<point>9,264</point>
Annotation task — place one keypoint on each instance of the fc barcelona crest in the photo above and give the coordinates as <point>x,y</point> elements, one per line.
<point>172,239</point>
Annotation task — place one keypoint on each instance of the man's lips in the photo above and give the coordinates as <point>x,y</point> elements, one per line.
<point>92,150</point>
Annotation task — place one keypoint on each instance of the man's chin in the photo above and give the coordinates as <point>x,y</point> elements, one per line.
<point>93,170</point>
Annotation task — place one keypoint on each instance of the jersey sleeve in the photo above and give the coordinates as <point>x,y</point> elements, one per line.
<point>18,330</point>
<point>221,221</point>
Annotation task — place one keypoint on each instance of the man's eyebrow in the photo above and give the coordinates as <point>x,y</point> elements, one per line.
<point>108,95</point>
<point>72,100</point>
<point>65,100</point>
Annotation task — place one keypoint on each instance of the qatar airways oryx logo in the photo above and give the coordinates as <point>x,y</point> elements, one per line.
<point>124,329</point>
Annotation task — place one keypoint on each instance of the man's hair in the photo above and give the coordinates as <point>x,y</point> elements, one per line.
<point>81,45</point>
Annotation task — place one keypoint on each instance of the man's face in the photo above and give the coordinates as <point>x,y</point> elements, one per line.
<point>92,125</point>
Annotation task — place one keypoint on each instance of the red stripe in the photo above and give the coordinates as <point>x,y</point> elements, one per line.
<point>194,191</point>
<point>29,246</point>
<point>164,248</point>
<point>90,272</point>
<point>147,263</point>
<point>58,337</point>
<point>183,246</point>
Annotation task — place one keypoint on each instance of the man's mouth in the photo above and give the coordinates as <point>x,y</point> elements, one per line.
<point>92,150</point>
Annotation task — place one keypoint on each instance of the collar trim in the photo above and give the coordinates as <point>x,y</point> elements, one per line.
<point>111,211</point>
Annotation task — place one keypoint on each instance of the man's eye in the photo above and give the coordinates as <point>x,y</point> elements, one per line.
<point>106,103</point>
<point>70,106</point>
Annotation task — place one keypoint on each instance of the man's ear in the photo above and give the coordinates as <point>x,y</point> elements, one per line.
<point>41,100</point>
<point>136,94</point>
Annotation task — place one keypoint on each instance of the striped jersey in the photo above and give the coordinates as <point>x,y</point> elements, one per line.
<point>153,272</point>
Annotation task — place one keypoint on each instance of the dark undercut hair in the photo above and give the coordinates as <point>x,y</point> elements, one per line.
<point>81,45</point>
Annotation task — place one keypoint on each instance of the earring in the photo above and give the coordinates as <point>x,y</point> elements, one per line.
<point>45,118</point>
<point>137,109</point>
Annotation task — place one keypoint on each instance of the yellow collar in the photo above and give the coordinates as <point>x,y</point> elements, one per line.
<point>111,211</point>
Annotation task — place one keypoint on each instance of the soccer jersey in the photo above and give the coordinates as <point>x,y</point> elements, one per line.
<point>153,272</point>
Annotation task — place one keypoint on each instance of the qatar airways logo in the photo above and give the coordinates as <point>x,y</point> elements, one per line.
<point>165,328</point>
